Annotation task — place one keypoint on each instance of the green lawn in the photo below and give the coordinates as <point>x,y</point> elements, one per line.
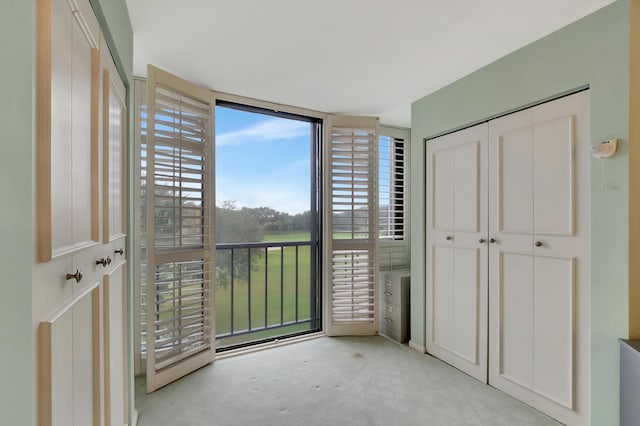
<point>280,293</point>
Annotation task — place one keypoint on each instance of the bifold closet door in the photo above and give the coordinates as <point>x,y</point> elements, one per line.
<point>457,250</point>
<point>538,261</point>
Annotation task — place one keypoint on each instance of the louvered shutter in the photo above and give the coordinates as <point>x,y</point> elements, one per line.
<point>393,250</point>
<point>352,231</point>
<point>180,230</point>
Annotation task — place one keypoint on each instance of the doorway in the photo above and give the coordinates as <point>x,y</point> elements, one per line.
<point>267,225</point>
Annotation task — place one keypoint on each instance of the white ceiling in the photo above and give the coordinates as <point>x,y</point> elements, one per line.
<point>363,57</point>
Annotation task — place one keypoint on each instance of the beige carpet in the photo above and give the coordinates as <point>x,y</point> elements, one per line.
<point>332,381</point>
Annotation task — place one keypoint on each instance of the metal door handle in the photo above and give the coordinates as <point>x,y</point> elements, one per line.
<point>538,244</point>
<point>482,241</point>
<point>449,238</point>
<point>119,251</point>
<point>77,276</point>
<point>492,240</point>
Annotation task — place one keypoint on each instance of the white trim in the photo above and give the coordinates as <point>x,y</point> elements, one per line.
<point>270,345</point>
<point>417,347</point>
<point>269,105</point>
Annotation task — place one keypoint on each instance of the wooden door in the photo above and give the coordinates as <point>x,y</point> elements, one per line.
<point>539,275</point>
<point>457,250</point>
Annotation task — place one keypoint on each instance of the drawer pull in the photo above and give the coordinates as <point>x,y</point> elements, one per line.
<point>388,293</point>
<point>388,320</point>
<point>119,251</point>
<point>104,262</point>
<point>77,276</point>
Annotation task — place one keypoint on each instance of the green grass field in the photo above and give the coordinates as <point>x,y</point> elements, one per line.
<point>280,289</point>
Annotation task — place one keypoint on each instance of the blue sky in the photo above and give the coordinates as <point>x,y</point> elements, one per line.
<point>262,161</point>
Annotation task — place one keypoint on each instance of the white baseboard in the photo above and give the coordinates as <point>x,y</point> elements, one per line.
<point>134,418</point>
<point>417,347</point>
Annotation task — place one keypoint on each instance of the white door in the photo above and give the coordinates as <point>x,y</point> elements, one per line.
<point>114,309</point>
<point>68,362</point>
<point>539,257</point>
<point>114,288</point>
<point>457,250</point>
<point>80,110</point>
<point>66,309</point>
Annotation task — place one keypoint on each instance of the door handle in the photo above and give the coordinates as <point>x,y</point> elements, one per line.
<point>482,241</point>
<point>538,244</point>
<point>119,251</point>
<point>492,240</point>
<point>449,238</point>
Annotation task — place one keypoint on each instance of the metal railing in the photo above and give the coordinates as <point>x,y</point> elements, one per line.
<point>253,280</point>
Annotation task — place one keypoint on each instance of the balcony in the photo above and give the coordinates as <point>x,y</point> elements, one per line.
<point>264,291</point>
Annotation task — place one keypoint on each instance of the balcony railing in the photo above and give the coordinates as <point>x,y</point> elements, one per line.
<point>264,290</point>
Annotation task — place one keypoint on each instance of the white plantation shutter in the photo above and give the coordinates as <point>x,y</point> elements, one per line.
<point>393,250</point>
<point>352,231</point>
<point>180,232</point>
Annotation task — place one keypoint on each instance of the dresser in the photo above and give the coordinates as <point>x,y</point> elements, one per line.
<point>394,318</point>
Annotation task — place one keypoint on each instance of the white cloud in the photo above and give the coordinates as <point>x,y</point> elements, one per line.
<point>267,130</point>
<point>282,190</point>
<point>282,199</point>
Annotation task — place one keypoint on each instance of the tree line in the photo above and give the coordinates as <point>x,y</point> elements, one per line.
<point>245,224</point>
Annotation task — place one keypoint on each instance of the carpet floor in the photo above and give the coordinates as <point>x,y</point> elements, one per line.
<point>366,381</point>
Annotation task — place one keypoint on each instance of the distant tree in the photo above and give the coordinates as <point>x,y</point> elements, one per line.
<point>234,225</point>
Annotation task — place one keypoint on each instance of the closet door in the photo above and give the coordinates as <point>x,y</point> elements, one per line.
<point>69,362</point>
<point>114,295</point>
<point>115,345</point>
<point>67,279</point>
<point>539,257</point>
<point>457,250</point>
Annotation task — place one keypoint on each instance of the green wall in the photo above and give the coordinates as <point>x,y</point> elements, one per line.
<point>116,26</point>
<point>17,50</point>
<point>593,51</point>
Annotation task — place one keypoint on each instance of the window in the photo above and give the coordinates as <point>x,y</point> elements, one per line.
<point>392,198</point>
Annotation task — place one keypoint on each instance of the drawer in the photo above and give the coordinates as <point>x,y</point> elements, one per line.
<point>391,317</point>
<point>394,334</point>
<point>392,290</point>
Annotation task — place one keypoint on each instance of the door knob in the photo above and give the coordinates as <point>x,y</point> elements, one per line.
<point>77,276</point>
<point>538,244</point>
<point>482,241</point>
<point>119,251</point>
<point>102,262</point>
<point>492,240</point>
<point>449,238</point>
